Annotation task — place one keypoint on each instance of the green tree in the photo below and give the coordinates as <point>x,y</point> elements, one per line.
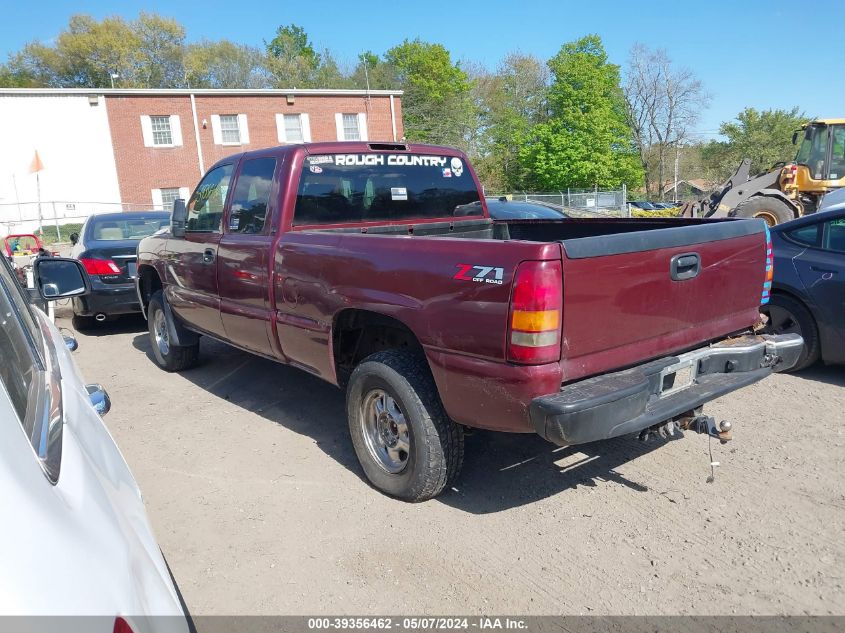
<point>437,105</point>
<point>586,141</point>
<point>511,102</point>
<point>328,73</point>
<point>224,64</point>
<point>372,70</point>
<point>160,52</point>
<point>291,58</point>
<point>144,53</point>
<point>763,136</point>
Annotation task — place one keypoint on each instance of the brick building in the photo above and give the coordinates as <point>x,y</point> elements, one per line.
<point>148,147</point>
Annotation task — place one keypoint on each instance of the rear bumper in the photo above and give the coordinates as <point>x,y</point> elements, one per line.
<point>108,299</point>
<point>634,399</point>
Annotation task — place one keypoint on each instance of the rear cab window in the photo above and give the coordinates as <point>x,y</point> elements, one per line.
<point>360,188</point>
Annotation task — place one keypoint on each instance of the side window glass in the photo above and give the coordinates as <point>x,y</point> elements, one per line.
<point>806,235</point>
<point>837,154</point>
<point>18,368</point>
<point>205,208</point>
<point>251,197</point>
<point>834,235</point>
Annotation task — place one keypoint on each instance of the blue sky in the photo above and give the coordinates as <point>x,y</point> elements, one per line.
<point>747,53</point>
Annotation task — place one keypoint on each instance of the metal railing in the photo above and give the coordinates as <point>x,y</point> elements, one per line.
<point>578,202</point>
<point>29,216</point>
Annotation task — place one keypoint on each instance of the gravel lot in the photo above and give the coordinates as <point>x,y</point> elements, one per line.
<point>260,507</point>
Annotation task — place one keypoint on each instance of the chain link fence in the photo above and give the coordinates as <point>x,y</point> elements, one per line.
<point>29,217</point>
<point>578,202</point>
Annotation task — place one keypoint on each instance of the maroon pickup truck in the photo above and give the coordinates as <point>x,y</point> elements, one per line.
<point>376,267</point>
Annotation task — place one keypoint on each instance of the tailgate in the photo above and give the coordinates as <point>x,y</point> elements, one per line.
<point>631,297</point>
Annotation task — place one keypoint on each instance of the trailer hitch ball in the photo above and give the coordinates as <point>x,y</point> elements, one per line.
<point>725,426</point>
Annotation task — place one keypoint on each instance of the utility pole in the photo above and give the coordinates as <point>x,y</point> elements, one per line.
<point>677,163</point>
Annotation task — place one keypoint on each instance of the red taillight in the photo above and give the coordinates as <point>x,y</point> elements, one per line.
<point>790,172</point>
<point>121,626</point>
<point>100,266</point>
<point>770,269</point>
<point>535,315</point>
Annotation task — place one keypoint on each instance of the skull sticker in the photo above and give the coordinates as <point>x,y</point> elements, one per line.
<point>457,167</point>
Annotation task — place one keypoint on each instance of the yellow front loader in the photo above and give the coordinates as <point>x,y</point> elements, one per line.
<point>786,192</point>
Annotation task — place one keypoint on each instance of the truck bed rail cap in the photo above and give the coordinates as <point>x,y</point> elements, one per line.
<point>621,243</point>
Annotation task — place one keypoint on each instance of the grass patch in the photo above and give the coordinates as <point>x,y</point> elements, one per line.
<point>657,213</point>
<point>50,235</point>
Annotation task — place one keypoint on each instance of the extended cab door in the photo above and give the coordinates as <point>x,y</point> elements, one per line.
<point>192,288</point>
<point>243,256</point>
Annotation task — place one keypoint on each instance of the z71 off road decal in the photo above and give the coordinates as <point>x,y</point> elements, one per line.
<point>481,274</point>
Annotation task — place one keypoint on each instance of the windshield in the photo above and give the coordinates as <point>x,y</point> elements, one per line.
<point>340,188</point>
<point>116,228</point>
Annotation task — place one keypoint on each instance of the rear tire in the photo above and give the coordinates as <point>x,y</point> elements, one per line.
<point>789,316</point>
<point>168,356</point>
<point>767,208</point>
<point>83,323</point>
<point>405,442</point>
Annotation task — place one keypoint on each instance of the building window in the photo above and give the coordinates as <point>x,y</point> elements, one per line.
<point>168,196</point>
<point>163,198</point>
<point>293,128</point>
<point>229,128</point>
<point>351,130</point>
<point>161,130</point>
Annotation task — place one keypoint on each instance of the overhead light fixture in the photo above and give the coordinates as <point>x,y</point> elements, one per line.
<point>93,100</point>
<point>291,99</point>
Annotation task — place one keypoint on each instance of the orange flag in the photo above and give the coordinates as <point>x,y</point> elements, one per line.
<point>36,165</point>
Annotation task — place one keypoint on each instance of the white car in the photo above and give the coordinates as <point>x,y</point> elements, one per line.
<point>75,535</point>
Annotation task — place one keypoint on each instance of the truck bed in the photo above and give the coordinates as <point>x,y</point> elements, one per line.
<point>620,304</point>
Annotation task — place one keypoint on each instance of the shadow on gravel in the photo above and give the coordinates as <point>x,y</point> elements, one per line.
<point>830,374</point>
<point>283,395</point>
<point>118,325</point>
<point>501,470</point>
<point>504,471</point>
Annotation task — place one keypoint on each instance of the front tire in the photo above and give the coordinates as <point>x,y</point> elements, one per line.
<point>405,442</point>
<point>167,355</point>
<point>789,316</point>
<point>767,208</point>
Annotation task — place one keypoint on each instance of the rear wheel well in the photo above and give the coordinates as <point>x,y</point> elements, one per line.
<point>357,334</point>
<point>148,283</point>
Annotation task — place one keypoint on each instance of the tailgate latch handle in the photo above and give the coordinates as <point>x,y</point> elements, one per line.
<point>684,266</point>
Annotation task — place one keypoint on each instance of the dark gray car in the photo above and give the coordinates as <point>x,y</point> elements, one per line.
<point>107,247</point>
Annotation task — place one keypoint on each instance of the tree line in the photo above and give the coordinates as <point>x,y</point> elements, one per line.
<point>576,120</point>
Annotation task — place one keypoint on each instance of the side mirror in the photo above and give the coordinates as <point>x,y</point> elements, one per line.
<point>178,218</point>
<point>74,238</point>
<point>60,277</point>
<point>794,137</point>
